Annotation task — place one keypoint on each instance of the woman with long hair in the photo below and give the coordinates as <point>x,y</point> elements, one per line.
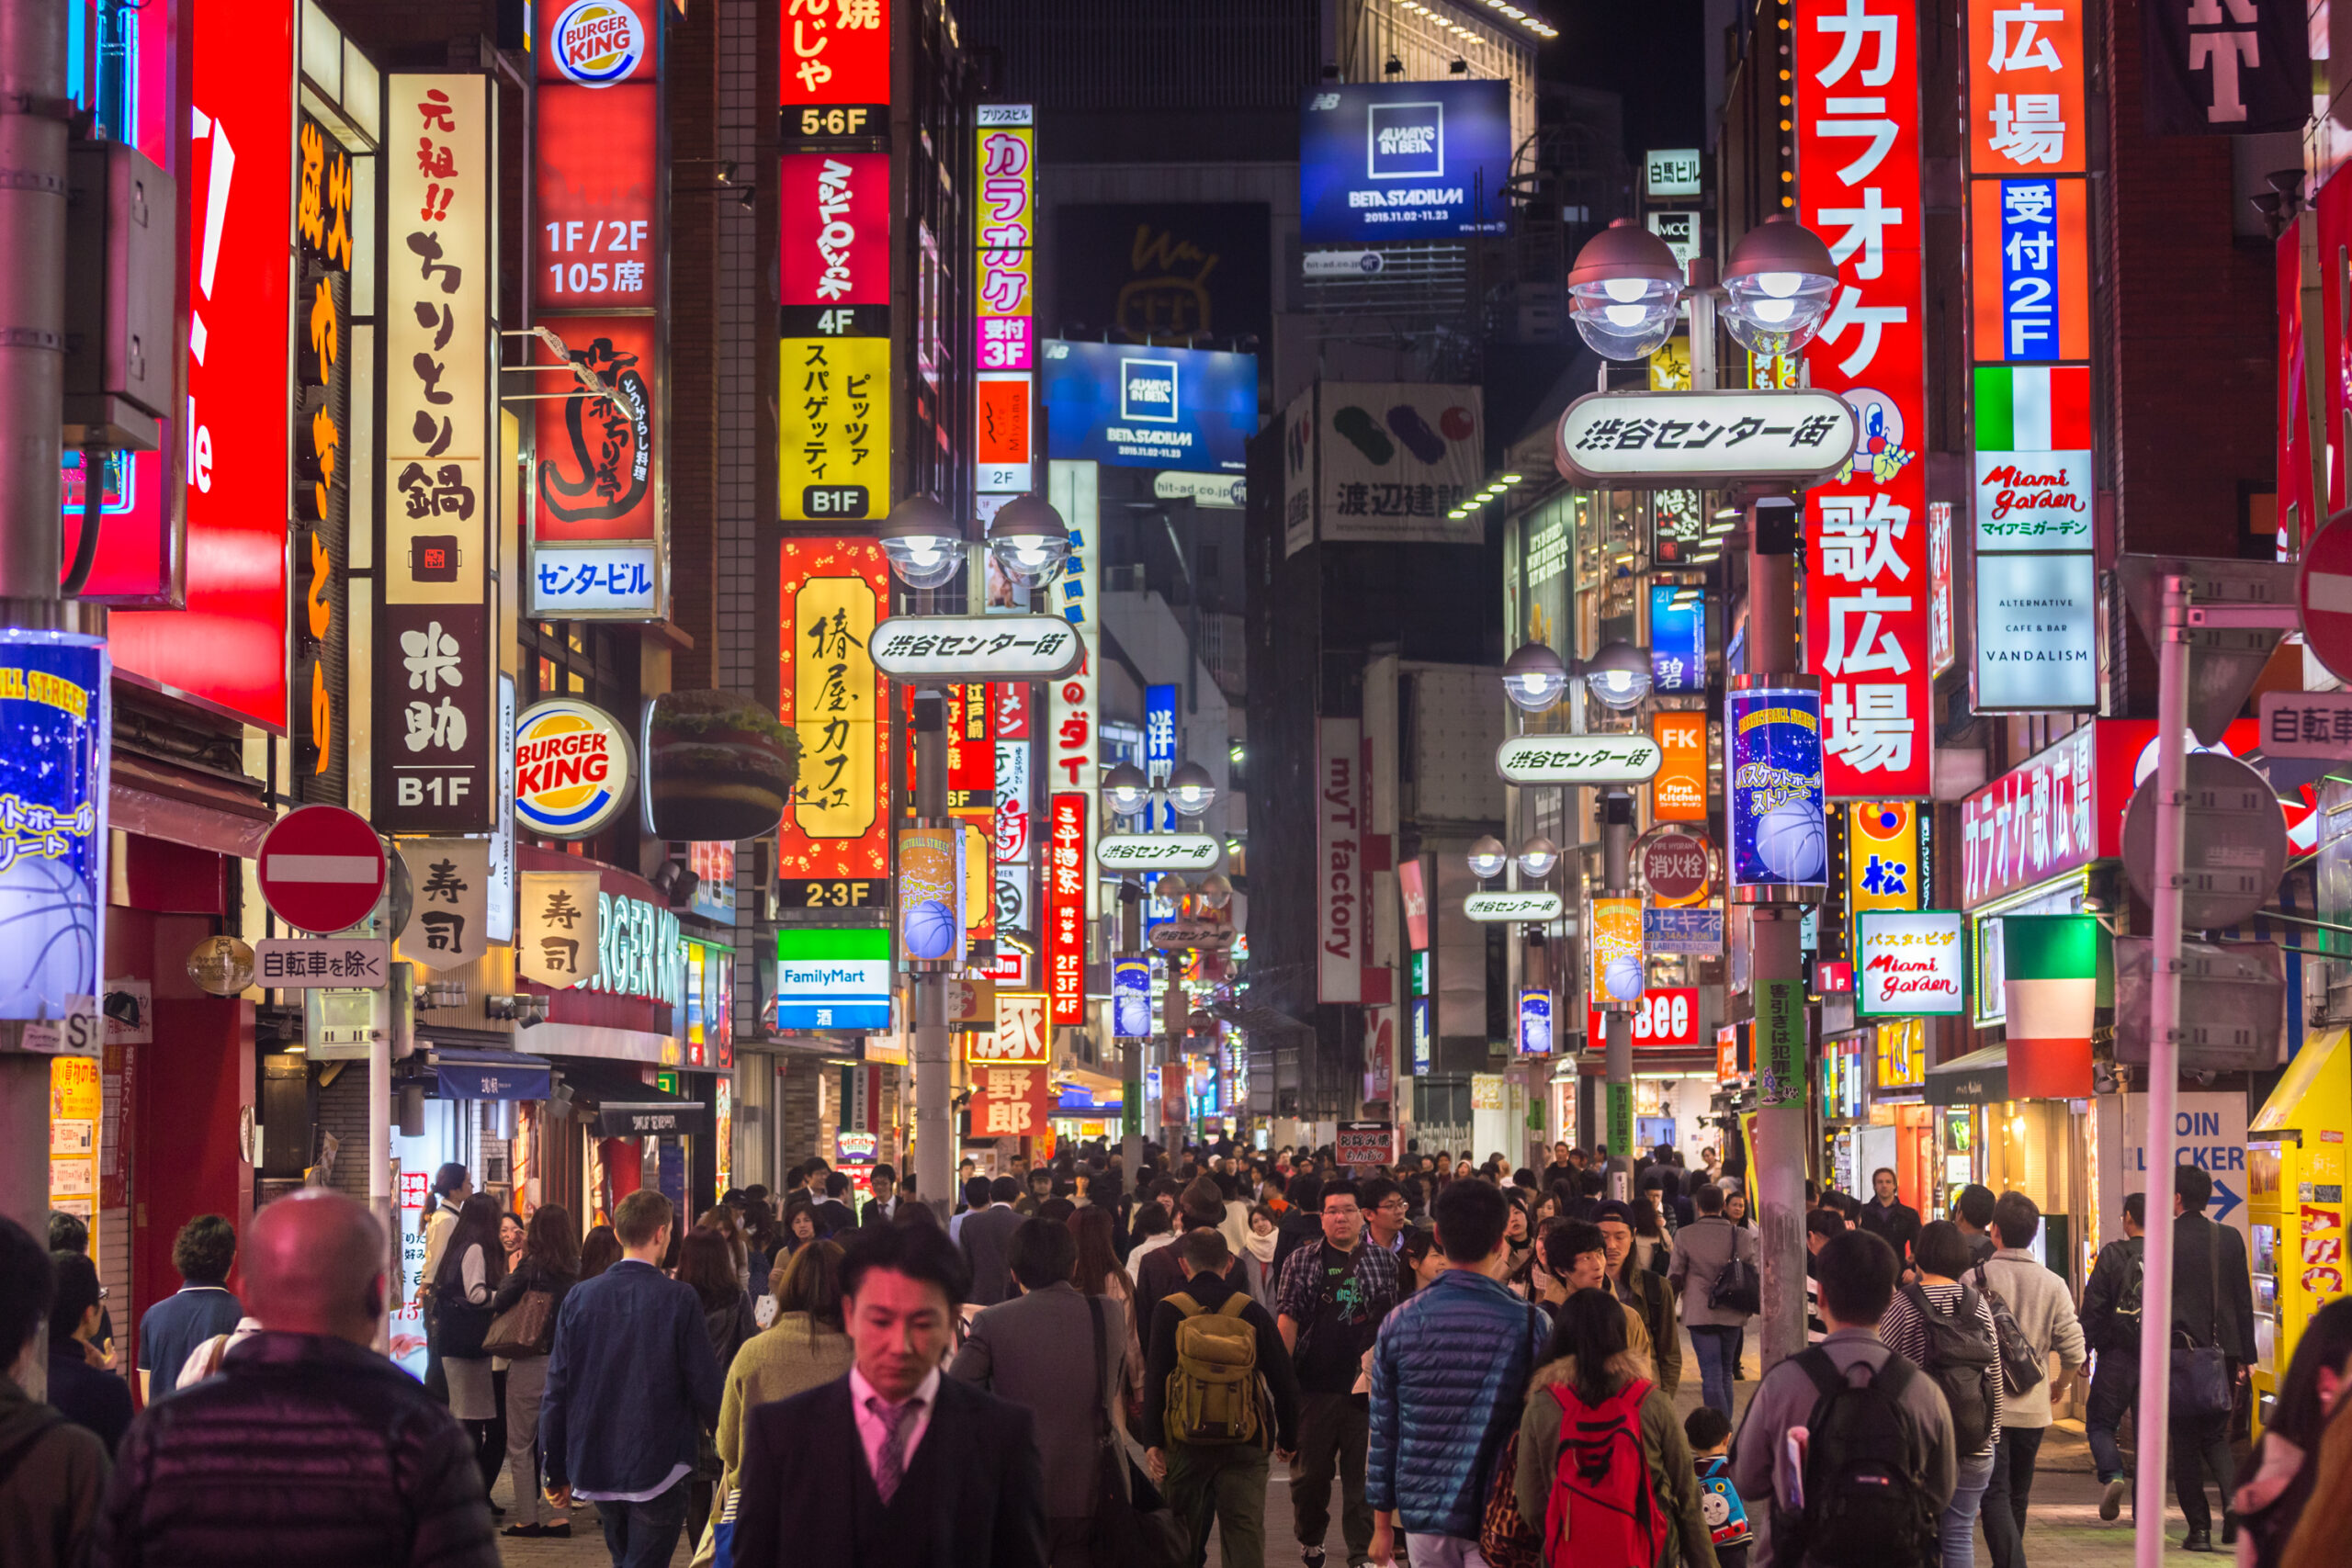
<point>800,1228</point>
<point>1258,1243</point>
<point>1521,1234</point>
<point>473,1266</point>
<point>739,1251</point>
<point>2323,1535</point>
<point>599,1252</point>
<point>1653,1249</point>
<point>706,1261</point>
<point>1098,1273</point>
<point>2291,1452</point>
<point>1589,1378</point>
<point>550,1262</point>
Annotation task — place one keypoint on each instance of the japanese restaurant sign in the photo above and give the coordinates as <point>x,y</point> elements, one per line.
<point>1856,78</point>
<point>834,51</point>
<point>833,429</point>
<point>1067,878</point>
<point>436,665</point>
<point>2025,88</point>
<point>830,595</point>
<point>1909,963</point>
<point>321,461</point>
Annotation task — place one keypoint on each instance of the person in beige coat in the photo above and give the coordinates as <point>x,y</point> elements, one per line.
<point>2038,1299</point>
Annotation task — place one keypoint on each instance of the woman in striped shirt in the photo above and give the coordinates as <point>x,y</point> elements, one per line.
<point>1965,1364</point>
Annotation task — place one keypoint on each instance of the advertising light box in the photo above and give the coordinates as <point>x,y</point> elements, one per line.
<point>1908,963</point>
<point>1397,160</point>
<point>2037,632</point>
<point>832,979</point>
<point>1150,408</point>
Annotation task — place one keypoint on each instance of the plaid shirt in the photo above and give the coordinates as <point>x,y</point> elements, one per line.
<point>1373,1273</point>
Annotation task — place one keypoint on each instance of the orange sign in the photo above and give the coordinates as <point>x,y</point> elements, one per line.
<point>2064,286</point>
<point>1679,793</point>
<point>832,595</point>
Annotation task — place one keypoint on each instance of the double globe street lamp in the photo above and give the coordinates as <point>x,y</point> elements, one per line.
<point>1626,291</point>
<point>925,547</point>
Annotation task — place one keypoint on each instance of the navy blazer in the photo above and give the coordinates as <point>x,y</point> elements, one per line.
<point>631,1382</point>
<point>974,1495</point>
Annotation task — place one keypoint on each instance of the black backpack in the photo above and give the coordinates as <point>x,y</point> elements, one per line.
<point>1965,1363</point>
<point>1864,1507</point>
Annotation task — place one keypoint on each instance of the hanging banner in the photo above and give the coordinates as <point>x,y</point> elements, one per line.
<point>931,895</point>
<point>1339,786</point>
<point>1067,877</point>
<point>1856,115</point>
<point>1131,998</point>
<point>1614,971</point>
<point>1778,840</point>
<point>55,738</point>
<point>556,943</point>
<point>2225,67</point>
<point>450,902</point>
<point>832,595</point>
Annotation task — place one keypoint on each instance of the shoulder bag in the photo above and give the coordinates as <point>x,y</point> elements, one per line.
<point>525,1330</point>
<point>2201,1385</point>
<point>1736,1289</point>
<point>1133,1525</point>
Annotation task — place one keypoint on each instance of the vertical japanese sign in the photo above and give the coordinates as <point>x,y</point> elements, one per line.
<point>1072,758</point>
<point>1016,829</point>
<point>55,734</point>
<point>1679,791</point>
<point>833,429</point>
<point>1884,864</point>
<point>2036,491</point>
<point>834,51</point>
<point>451,902</point>
<point>436,664</point>
<point>559,943</point>
<point>1856,76</point>
<point>1339,937</point>
<point>834,261</point>
<point>1159,747</point>
<point>321,462</point>
<point>1067,881</point>
<point>829,596</point>
<point>1776,832</point>
<point>1005,223</point>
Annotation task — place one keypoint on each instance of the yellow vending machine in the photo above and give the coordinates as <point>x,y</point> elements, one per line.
<point>2295,1196</point>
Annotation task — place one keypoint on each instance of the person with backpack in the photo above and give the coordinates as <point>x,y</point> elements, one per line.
<point>2034,1315</point>
<point>1704,1251</point>
<point>1448,1372</point>
<point>1877,1465</point>
<point>1218,1392</point>
<point>1945,1328</point>
<point>2212,1309</point>
<point>1329,1305</point>
<point>1602,1461</point>
<point>2111,1320</point>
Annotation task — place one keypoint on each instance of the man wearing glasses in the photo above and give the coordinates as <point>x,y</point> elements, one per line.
<point>1386,1215</point>
<point>1328,1308</point>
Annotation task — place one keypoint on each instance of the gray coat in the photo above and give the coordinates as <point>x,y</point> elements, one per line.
<point>2038,1299</point>
<point>1038,1351</point>
<point>986,1236</point>
<point>1701,1250</point>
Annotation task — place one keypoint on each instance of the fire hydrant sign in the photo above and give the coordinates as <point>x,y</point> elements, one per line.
<point>321,869</point>
<point>1909,963</point>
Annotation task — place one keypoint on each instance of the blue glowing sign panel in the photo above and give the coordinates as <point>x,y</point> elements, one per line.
<point>1678,640</point>
<point>55,729</point>
<point>1380,163</point>
<point>1150,408</point>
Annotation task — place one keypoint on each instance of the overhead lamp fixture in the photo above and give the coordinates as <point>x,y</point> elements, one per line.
<point>1126,789</point>
<point>1460,67</point>
<point>1215,890</point>
<point>1619,674</point>
<point>1535,678</point>
<point>1191,790</point>
<point>1395,67</point>
<point>1030,540</point>
<point>1777,288</point>
<point>1625,292</point>
<point>1486,858</point>
<point>922,541</point>
<point>1537,857</point>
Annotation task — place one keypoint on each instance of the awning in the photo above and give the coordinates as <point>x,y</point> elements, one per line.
<point>1980,1077</point>
<point>461,1074</point>
<point>625,1106</point>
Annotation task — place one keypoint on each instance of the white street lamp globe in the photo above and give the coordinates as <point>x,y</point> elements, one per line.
<point>921,542</point>
<point>1619,674</point>
<point>1535,678</point>
<point>1625,292</point>
<point>1778,287</point>
<point>1030,541</point>
<point>1537,857</point>
<point>1486,859</point>
<point>1191,790</point>
<point>1215,890</point>
<point>1126,789</point>
<point>1172,887</point>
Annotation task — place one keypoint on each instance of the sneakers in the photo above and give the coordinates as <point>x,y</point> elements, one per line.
<point>1312,1556</point>
<point>2111,1502</point>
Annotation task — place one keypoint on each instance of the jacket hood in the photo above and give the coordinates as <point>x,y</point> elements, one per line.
<point>1624,1367</point>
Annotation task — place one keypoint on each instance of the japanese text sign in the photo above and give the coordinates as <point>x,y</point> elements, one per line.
<point>1772,756</point>
<point>1679,788</point>
<point>1685,438</point>
<point>2025,88</point>
<point>832,593</point>
<point>1021,1037</point>
<point>1611,758</point>
<point>1678,640</point>
<point>2029,258</point>
<point>322,456</point>
<point>2059,809</point>
<point>557,943</point>
<point>833,429</point>
<point>1006,223</point>
<point>1911,962</point>
<point>828,977</point>
<point>1010,1103</point>
<point>55,732</point>
<point>835,229</point>
<point>1856,79</point>
<point>1884,869</point>
<point>929,650</point>
<point>594,244</point>
<point>1067,879</point>
<point>451,902</point>
<point>598,471</point>
<point>304,963</point>
<point>834,51</point>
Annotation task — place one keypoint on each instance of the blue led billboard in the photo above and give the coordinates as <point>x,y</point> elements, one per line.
<point>1183,409</point>
<point>1399,161</point>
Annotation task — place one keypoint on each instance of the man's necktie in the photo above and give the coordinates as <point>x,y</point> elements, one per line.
<point>891,1467</point>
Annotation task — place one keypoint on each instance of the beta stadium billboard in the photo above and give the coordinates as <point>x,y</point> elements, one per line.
<point>1397,160</point>
<point>1179,409</point>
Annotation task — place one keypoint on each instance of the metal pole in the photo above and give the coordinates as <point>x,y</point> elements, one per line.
<point>934,1158</point>
<point>1172,1019</point>
<point>2163,1079</point>
<point>1616,854</point>
<point>1131,1052</point>
<point>379,1166</point>
<point>1776,1174</point>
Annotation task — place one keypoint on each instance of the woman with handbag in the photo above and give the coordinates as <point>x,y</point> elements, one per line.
<point>473,1265</point>
<point>706,1263</point>
<point>526,1303</point>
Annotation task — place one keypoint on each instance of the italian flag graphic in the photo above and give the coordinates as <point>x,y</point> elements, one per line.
<point>2043,407</point>
<point>2051,966</point>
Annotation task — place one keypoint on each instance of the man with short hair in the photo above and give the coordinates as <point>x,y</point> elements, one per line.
<point>1449,1376</point>
<point>883,1207</point>
<point>892,1462</point>
<point>1972,1210</point>
<point>1224,1483</point>
<point>833,1209</point>
<point>1857,1272</point>
<point>308,1447</point>
<point>1329,1305</point>
<point>2206,1251</point>
<point>1888,1217</point>
<point>2044,1311</point>
<point>987,1241</point>
<point>1645,1292</point>
<point>1703,1249</point>
<point>2111,1320</point>
<point>202,1254</point>
<point>1820,1224</point>
<point>1385,1213</point>
<point>1162,1273</point>
<point>49,1496</point>
<point>631,1384</point>
<point>1060,1355</point>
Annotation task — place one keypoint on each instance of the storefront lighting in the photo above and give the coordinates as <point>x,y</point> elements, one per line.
<point>1619,674</point>
<point>1486,859</point>
<point>1191,790</point>
<point>1030,540</point>
<point>1535,678</point>
<point>1511,478</point>
<point>1625,292</point>
<point>1126,789</point>
<point>921,542</point>
<point>1777,288</point>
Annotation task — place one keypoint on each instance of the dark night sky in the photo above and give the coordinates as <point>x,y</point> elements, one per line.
<point>1650,50</point>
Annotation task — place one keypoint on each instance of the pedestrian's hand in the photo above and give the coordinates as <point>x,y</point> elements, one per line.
<point>1157,1462</point>
<point>1383,1542</point>
<point>561,1496</point>
<point>1287,1456</point>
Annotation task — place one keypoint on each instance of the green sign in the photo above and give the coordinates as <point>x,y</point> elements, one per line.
<point>1420,971</point>
<point>1621,1120</point>
<point>1780,1043</point>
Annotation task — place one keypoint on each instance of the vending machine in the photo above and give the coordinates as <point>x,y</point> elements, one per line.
<point>2294,1167</point>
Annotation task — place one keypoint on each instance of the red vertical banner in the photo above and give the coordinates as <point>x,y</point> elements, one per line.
<point>1066,874</point>
<point>1857,119</point>
<point>2297,520</point>
<point>2335,204</point>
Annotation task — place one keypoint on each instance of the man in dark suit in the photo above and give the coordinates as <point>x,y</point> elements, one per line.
<point>986,1236</point>
<point>2206,1252</point>
<point>883,1207</point>
<point>1059,1354</point>
<point>893,1465</point>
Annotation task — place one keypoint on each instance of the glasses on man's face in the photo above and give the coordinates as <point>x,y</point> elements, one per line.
<point>1388,1203</point>
<point>1347,1212</point>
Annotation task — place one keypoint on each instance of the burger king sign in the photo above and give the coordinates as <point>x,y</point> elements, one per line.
<point>598,42</point>
<point>572,769</point>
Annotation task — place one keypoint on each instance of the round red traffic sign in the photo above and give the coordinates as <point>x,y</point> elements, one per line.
<point>322,868</point>
<point>2324,595</point>
<point>1675,865</point>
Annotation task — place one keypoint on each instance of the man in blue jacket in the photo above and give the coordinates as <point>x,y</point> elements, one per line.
<point>1449,1376</point>
<point>631,1382</point>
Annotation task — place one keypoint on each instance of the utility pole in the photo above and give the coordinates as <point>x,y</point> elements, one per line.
<point>1131,1052</point>
<point>1616,854</point>
<point>934,1159</point>
<point>1174,1019</point>
<point>34,109</point>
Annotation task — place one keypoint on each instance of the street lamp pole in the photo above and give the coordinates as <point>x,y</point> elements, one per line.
<point>1616,855</point>
<point>934,1135</point>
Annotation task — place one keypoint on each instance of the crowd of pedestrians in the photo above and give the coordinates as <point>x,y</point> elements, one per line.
<point>1458,1363</point>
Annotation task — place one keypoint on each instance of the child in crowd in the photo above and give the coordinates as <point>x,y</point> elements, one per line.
<point>1709,1431</point>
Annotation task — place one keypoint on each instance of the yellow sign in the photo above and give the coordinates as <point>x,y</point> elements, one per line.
<point>833,702</point>
<point>1883,859</point>
<point>833,429</point>
<point>1617,974</point>
<point>74,1110</point>
<point>1903,1054</point>
<point>1671,365</point>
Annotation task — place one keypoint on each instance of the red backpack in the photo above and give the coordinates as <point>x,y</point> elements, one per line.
<point>1603,1484</point>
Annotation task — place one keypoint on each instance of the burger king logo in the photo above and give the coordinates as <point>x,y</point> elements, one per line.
<point>597,42</point>
<point>572,769</point>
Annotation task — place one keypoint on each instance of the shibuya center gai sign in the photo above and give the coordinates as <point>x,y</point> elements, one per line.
<point>1578,759</point>
<point>965,648</point>
<point>1155,851</point>
<point>1703,438</point>
<point>1532,904</point>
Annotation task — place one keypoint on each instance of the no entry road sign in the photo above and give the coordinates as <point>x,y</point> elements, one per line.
<point>2323,594</point>
<point>322,868</point>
